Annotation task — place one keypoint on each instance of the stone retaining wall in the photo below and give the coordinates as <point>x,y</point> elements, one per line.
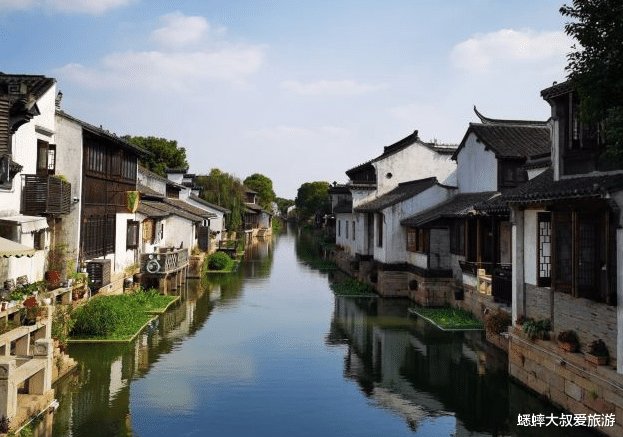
<point>430,292</point>
<point>566,379</point>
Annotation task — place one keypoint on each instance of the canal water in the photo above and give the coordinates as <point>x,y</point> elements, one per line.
<point>270,351</point>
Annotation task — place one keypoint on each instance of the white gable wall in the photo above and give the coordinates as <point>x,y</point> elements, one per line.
<point>414,162</point>
<point>477,169</point>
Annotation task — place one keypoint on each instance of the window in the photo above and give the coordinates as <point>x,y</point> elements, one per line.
<point>423,236</point>
<point>379,230</point>
<point>148,231</point>
<point>353,230</point>
<point>39,239</point>
<point>457,240</point>
<point>411,239</point>
<point>346,229</point>
<point>544,258</point>
<point>562,251</point>
<point>46,158</point>
<point>132,235</point>
<point>339,228</point>
<point>98,235</point>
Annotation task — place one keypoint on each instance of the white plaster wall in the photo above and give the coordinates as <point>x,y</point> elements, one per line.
<point>216,224</point>
<point>414,162</point>
<point>123,257</point>
<point>69,156</point>
<point>417,259</point>
<point>264,221</point>
<point>477,168</point>
<point>348,244</point>
<point>362,196</point>
<point>534,172</point>
<point>151,182</point>
<point>529,246</point>
<point>395,239</point>
<point>178,178</point>
<point>178,230</point>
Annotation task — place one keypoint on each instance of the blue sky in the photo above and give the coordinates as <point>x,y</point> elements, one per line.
<point>296,90</point>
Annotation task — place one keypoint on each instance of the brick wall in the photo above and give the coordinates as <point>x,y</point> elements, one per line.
<point>590,320</point>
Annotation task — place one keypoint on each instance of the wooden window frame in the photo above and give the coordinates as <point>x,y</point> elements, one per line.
<point>346,230</point>
<point>411,239</point>
<point>544,281</point>
<point>353,230</point>
<point>457,242</point>
<point>132,235</point>
<point>379,229</point>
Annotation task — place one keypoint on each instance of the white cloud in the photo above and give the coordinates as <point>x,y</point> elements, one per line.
<point>72,6</point>
<point>172,67</point>
<point>180,30</point>
<point>481,52</point>
<point>329,87</point>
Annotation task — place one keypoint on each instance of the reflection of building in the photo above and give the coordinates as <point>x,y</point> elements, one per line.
<point>416,370</point>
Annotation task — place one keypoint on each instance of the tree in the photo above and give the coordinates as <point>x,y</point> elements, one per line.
<point>313,198</point>
<point>283,205</point>
<point>264,187</point>
<point>596,66</point>
<point>166,153</point>
<point>225,190</point>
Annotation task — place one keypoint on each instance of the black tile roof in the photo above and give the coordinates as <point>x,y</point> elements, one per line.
<point>460,205</point>
<point>146,208</point>
<point>208,204</point>
<point>148,192</point>
<point>153,175</point>
<point>180,204</point>
<point>36,85</point>
<point>343,206</point>
<point>339,189</point>
<point>510,140</point>
<point>403,191</point>
<point>557,89</point>
<point>497,121</point>
<point>543,188</point>
<point>169,209</point>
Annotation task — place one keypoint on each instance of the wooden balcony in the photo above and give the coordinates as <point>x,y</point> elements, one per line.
<point>42,195</point>
<point>164,262</point>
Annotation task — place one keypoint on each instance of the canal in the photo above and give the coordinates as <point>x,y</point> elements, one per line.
<point>270,351</point>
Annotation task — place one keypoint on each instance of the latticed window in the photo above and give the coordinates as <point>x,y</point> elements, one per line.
<point>98,235</point>
<point>411,239</point>
<point>544,247</point>
<point>457,242</point>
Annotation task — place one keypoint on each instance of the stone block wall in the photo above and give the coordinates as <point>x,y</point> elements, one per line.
<point>567,380</point>
<point>590,320</point>
<point>392,284</point>
<point>430,292</point>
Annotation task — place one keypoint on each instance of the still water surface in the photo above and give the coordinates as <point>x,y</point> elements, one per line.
<point>270,351</point>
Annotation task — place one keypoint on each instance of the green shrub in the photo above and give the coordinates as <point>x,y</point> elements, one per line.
<point>219,261</point>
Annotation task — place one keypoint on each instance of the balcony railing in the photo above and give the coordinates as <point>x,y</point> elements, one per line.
<point>45,195</point>
<point>164,262</point>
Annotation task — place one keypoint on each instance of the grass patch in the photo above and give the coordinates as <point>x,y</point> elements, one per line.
<point>449,318</point>
<point>352,287</point>
<point>118,317</point>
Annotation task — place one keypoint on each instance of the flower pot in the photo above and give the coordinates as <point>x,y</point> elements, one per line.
<point>598,360</point>
<point>568,347</point>
<point>53,278</point>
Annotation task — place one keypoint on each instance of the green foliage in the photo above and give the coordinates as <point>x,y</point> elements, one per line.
<point>351,287</point>
<point>598,348</point>
<point>220,261</point>
<point>537,329</point>
<point>596,65</point>
<point>450,318</point>
<point>264,188</point>
<point>568,336</point>
<point>166,153</point>
<point>313,198</point>
<point>226,190</point>
<point>118,316</point>
<point>62,324</point>
<point>283,205</point>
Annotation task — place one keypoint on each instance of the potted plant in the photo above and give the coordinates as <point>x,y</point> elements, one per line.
<point>497,322</point>
<point>56,266</point>
<point>568,341</point>
<point>31,312</point>
<point>537,329</point>
<point>597,353</point>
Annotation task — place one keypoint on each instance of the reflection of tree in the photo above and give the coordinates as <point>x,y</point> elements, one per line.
<point>310,248</point>
<point>258,259</point>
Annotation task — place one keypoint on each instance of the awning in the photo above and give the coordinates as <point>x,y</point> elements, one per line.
<point>28,223</point>
<point>11,248</point>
